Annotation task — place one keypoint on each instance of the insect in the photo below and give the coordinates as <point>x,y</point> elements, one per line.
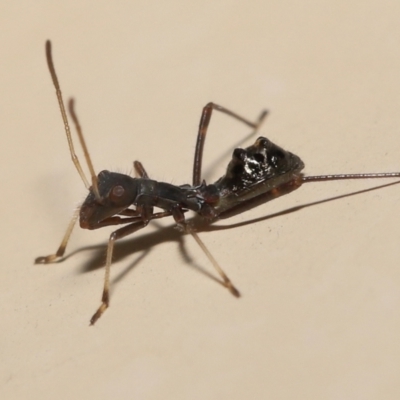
<point>263,171</point>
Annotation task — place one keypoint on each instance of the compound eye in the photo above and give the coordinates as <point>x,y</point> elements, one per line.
<point>117,192</point>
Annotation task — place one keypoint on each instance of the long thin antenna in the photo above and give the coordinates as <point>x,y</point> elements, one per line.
<point>78,128</point>
<point>74,157</point>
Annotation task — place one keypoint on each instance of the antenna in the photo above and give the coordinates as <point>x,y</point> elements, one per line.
<point>74,157</point>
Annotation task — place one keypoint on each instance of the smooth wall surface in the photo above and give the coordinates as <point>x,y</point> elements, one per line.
<point>319,313</point>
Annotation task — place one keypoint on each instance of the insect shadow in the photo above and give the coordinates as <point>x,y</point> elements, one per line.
<point>144,244</point>
<point>141,245</point>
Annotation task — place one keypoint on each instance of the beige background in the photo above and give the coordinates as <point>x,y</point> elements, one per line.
<point>319,315</point>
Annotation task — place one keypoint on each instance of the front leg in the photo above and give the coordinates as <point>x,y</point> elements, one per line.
<point>61,249</point>
<point>146,217</point>
<point>118,234</point>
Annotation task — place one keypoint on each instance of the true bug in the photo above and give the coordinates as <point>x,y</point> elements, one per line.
<point>263,171</point>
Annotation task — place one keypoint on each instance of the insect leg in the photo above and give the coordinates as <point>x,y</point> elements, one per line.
<point>61,250</point>
<point>139,169</point>
<point>180,220</point>
<point>321,178</point>
<point>203,126</point>
<point>118,234</point>
<point>227,282</point>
